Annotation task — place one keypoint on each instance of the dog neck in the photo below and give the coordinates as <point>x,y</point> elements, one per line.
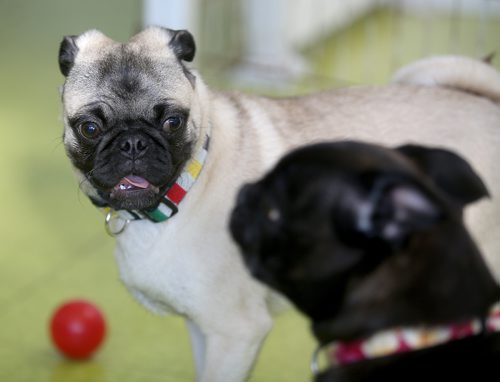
<point>117,220</point>
<point>402,340</point>
<point>433,281</point>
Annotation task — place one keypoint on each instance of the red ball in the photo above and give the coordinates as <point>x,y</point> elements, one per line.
<point>78,329</point>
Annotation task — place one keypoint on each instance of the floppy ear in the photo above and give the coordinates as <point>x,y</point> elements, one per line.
<point>182,43</point>
<point>67,54</point>
<point>450,172</point>
<point>394,210</point>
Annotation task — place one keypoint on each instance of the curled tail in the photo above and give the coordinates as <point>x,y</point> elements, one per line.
<point>456,72</point>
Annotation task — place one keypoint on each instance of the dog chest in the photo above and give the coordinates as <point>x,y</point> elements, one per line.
<point>150,270</point>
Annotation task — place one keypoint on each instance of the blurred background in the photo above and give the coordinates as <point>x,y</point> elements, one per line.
<point>53,245</point>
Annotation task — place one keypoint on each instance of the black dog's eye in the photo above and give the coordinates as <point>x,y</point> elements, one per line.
<point>173,123</point>
<point>89,130</point>
<point>274,215</point>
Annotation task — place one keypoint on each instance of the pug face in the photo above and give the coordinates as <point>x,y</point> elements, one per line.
<point>332,218</point>
<point>285,236</point>
<point>127,114</point>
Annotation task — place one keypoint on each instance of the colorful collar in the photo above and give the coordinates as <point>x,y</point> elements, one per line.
<point>117,220</point>
<point>401,340</point>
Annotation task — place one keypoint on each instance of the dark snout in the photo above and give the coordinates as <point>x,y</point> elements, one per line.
<point>247,233</point>
<point>243,225</point>
<point>257,233</point>
<point>133,146</point>
<point>131,152</point>
<point>132,167</point>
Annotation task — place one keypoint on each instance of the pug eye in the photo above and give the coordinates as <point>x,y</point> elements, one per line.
<point>273,215</point>
<point>173,123</point>
<point>89,130</point>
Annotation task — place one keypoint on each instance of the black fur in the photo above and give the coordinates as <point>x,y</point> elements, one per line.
<point>183,45</point>
<point>363,238</point>
<point>453,175</point>
<point>67,54</point>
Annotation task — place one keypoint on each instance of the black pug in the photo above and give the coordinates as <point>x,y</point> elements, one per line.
<point>370,243</point>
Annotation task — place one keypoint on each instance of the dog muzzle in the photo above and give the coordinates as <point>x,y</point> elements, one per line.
<point>116,221</point>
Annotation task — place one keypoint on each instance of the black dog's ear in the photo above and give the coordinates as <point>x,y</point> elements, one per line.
<point>182,43</point>
<point>393,211</point>
<point>450,172</point>
<point>67,54</point>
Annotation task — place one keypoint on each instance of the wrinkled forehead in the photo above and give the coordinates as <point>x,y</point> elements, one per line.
<point>135,75</point>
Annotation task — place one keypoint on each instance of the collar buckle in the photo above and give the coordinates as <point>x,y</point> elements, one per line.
<point>115,224</point>
<point>315,367</point>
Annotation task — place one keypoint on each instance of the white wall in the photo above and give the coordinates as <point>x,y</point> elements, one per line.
<point>173,14</point>
<point>274,29</point>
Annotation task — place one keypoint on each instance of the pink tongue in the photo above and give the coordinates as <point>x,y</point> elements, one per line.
<point>137,181</point>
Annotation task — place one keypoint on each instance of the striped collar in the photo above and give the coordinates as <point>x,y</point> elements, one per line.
<point>117,220</point>
<point>400,340</point>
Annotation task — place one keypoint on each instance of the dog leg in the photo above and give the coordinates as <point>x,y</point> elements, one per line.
<point>230,353</point>
<point>198,344</point>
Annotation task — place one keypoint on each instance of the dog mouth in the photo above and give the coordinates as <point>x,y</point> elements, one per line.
<point>134,192</point>
<point>133,183</point>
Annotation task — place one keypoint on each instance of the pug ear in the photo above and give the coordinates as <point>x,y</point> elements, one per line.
<point>393,211</point>
<point>182,43</point>
<point>450,172</point>
<point>67,54</point>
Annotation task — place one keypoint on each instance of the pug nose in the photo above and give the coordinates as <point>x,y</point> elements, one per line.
<point>133,147</point>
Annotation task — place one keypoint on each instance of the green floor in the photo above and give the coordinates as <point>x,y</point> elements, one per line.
<point>53,243</point>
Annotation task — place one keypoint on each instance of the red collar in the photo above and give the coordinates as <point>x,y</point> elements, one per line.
<point>401,340</point>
